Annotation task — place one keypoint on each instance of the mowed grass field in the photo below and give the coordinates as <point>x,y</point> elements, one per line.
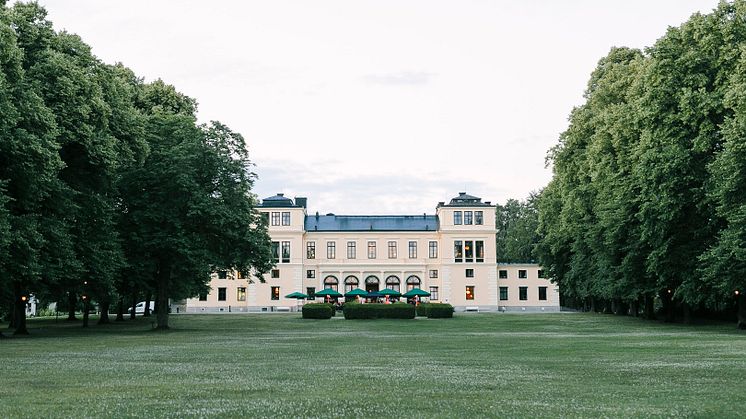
<point>476,365</point>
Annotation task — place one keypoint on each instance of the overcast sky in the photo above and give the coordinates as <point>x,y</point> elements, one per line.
<point>379,107</point>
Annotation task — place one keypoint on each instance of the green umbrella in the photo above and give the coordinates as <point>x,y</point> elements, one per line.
<point>356,292</point>
<point>414,292</point>
<point>297,295</point>
<point>328,292</point>
<point>390,292</point>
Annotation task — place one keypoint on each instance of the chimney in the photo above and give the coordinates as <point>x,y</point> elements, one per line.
<point>301,201</point>
<point>461,193</point>
<point>280,194</point>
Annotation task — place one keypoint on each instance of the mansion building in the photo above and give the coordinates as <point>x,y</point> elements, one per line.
<point>450,254</point>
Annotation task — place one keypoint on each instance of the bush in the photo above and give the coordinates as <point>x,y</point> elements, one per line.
<point>439,311</point>
<point>318,311</point>
<point>378,311</point>
<point>422,309</point>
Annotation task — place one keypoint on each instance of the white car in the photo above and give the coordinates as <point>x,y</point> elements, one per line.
<point>140,307</point>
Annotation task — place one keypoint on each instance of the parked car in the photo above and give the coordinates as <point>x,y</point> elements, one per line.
<point>140,307</point>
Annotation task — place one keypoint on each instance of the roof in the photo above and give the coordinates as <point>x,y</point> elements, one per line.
<point>331,222</point>
<point>465,200</point>
<point>278,200</point>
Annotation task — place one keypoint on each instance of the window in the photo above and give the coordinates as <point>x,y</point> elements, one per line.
<point>502,274</point>
<point>480,250</point>
<point>433,245</point>
<point>478,218</point>
<point>457,218</point>
<point>470,273</point>
<point>523,293</point>
<point>311,292</point>
<point>458,251</point>
<point>371,250</point>
<point>468,220</point>
<point>371,283</point>
<point>392,250</point>
<point>412,250</point>
<point>241,294</point>
<point>276,252</point>
<point>469,251</point>
<point>221,294</point>
<point>275,218</point>
<point>275,293</point>
<point>331,282</point>
<point>470,292</point>
<point>285,252</point>
<point>433,273</point>
<point>503,293</point>
<point>351,250</point>
<point>522,274</point>
<point>331,250</point>
<point>433,293</point>
<point>275,273</point>
<point>240,275</point>
<point>311,273</point>
<point>413,282</point>
<point>286,218</point>
<point>542,293</point>
<point>311,250</point>
<point>203,297</point>
<point>541,273</point>
<point>222,274</point>
<point>393,282</point>
<point>351,282</point>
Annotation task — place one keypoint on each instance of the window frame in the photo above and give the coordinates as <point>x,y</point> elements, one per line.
<point>412,249</point>
<point>241,294</point>
<point>311,250</point>
<point>468,218</point>
<point>392,246</point>
<point>544,289</point>
<point>502,274</point>
<point>285,251</point>
<point>285,218</point>
<point>523,274</point>
<point>458,251</point>
<point>469,273</point>
<point>523,293</point>
<point>310,273</point>
<point>351,250</point>
<point>372,251</point>
<point>433,249</point>
<point>478,218</point>
<point>331,250</point>
<point>434,293</point>
<point>274,274</point>
<point>506,295</point>
<point>457,218</point>
<point>274,293</point>
<point>433,273</point>
<point>470,292</point>
<point>222,293</point>
<point>275,218</point>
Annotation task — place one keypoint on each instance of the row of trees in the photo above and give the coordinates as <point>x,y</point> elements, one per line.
<point>647,206</point>
<point>517,223</point>
<point>109,189</point>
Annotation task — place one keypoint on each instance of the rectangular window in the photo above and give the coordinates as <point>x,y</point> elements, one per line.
<point>275,293</point>
<point>433,273</point>
<point>311,250</point>
<point>276,252</point>
<point>285,252</point>
<point>522,274</point>
<point>433,293</point>
<point>241,294</point>
<point>311,293</point>
<point>413,250</point>
<point>502,274</point>
<point>470,292</point>
<point>542,293</point>
<point>222,274</point>
<point>457,218</point>
<point>203,297</point>
<point>478,218</point>
<point>311,273</point>
<point>351,250</point>
<point>392,250</point>
<point>286,218</point>
<point>468,251</point>
<point>433,250</point>
<point>541,273</point>
<point>275,273</point>
<point>371,250</point>
<point>458,251</point>
<point>468,220</point>
<point>275,218</point>
<point>470,273</point>
<point>480,250</point>
<point>239,275</point>
<point>503,293</point>
<point>221,294</point>
<point>331,250</point>
<point>523,293</point>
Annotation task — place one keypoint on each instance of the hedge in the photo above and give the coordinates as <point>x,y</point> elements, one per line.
<point>378,311</point>
<point>438,310</point>
<point>318,311</point>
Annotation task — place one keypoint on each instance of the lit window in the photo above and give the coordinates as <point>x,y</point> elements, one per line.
<point>412,250</point>
<point>470,292</point>
<point>276,252</point>
<point>433,250</point>
<point>468,251</point>
<point>275,273</point>
<point>239,275</point>
<point>275,293</point>
<point>433,273</point>
<point>286,218</point>
<point>392,250</point>
<point>275,218</point>
<point>221,294</point>
<point>433,293</point>
<point>331,250</point>
<point>351,250</point>
<point>523,293</point>
<point>502,274</point>
<point>241,294</point>
<point>478,218</point>
<point>285,252</point>
<point>371,250</point>
<point>522,274</point>
<point>542,293</point>
<point>470,273</point>
<point>457,218</point>
<point>310,273</point>
<point>503,293</point>
<point>311,250</point>
<point>468,220</point>
<point>458,251</point>
<point>480,250</point>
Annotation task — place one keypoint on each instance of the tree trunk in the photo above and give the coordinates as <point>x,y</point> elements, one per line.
<point>104,316</point>
<point>134,306</point>
<point>164,278</point>
<point>86,307</point>
<point>20,311</point>
<point>649,307</point>
<point>593,304</point>
<point>687,312</point>
<point>668,306</point>
<point>742,311</point>
<point>72,301</point>
<point>148,296</point>
<point>635,308</point>
<point>120,310</point>
<point>12,316</point>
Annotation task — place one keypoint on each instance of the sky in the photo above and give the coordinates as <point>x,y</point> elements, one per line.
<point>381,106</point>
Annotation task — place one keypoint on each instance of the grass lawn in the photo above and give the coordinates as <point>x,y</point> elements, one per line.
<point>550,365</point>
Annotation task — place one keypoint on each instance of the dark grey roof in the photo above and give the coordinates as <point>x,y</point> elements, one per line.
<point>465,200</point>
<point>371,223</point>
<point>278,200</point>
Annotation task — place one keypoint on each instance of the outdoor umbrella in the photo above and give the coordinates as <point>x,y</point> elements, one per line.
<point>328,293</point>
<point>356,292</point>
<point>297,295</point>
<point>390,292</point>
<point>416,292</point>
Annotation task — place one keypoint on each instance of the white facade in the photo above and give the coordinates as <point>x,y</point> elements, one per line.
<point>450,254</point>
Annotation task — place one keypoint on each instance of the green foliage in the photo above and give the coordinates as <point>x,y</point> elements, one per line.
<point>358,311</point>
<point>439,311</point>
<point>516,224</point>
<point>318,311</point>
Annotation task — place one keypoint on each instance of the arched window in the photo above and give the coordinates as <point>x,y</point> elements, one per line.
<point>331,282</point>
<point>371,283</point>
<point>413,282</point>
<point>393,282</point>
<point>351,283</point>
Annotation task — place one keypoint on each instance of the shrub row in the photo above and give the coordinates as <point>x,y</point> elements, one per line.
<point>435,310</point>
<point>318,311</point>
<point>379,311</point>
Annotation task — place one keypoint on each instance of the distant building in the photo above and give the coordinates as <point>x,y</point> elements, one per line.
<point>450,254</point>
